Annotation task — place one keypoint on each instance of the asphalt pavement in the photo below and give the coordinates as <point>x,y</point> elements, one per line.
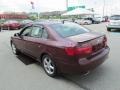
<point>16,75</point>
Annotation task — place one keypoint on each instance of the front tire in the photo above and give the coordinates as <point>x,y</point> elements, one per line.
<point>49,66</point>
<point>86,23</point>
<point>14,49</point>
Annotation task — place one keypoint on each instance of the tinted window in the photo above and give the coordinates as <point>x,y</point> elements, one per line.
<point>27,31</point>
<point>36,32</point>
<point>45,34</point>
<point>68,29</point>
<point>115,17</point>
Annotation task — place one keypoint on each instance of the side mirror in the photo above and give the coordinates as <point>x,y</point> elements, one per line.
<point>17,34</point>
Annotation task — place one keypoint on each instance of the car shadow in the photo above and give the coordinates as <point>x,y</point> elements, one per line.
<point>26,60</point>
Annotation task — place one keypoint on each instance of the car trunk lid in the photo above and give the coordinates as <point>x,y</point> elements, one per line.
<point>95,41</point>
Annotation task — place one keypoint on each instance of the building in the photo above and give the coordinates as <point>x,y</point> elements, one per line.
<point>13,16</point>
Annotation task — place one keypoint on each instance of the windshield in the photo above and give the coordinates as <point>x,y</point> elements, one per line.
<point>116,17</point>
<point>68,29</point>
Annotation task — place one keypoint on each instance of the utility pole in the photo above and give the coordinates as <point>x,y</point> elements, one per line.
<point>67,4</point>
<point>103,8</point>
<point>32,5</point>
<point>33,8</point>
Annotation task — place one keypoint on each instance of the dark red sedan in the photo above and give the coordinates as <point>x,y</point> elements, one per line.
<point>10,25</point>
<point>61,47</point>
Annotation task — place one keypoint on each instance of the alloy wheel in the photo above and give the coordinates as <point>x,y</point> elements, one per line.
<point>49,66</point>
<point>14,48</point>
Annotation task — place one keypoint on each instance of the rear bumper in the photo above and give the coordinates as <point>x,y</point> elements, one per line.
<point>85,64</point>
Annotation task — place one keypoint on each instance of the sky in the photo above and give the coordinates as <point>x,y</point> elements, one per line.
<point>111,6</point>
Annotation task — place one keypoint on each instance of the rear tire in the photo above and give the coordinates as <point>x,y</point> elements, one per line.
<point>49,66</point>
<point>109,29</point>
<point>14,49</point>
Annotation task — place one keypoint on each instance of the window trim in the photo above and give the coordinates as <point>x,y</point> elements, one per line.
<point>32,29</point>
<point>40,26</point>
<point>44,28</point>
<point>25,29</point>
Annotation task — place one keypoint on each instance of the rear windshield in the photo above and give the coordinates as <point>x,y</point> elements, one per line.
<point>68,29</point>
<point>116,17</point>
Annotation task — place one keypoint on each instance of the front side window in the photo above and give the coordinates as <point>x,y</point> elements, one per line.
<point>26,31</point>
<point>36,32</point>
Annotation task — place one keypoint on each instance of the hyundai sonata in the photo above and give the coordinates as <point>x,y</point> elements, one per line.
<point>61,47</point>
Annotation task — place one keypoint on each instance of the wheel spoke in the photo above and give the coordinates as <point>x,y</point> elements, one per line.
<point>51,67</point>
<point>49,61</point>
<point>45,65</point>
<point>46,61</point>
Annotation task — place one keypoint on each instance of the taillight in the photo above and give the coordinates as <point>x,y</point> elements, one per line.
<point>84,50</point>
<point>71,51</point>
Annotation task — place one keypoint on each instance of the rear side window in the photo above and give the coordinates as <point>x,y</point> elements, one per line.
<point>68,29</point>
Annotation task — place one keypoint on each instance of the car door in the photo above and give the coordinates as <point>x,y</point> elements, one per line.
<point>22,38</point>
<point>35,41</point>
